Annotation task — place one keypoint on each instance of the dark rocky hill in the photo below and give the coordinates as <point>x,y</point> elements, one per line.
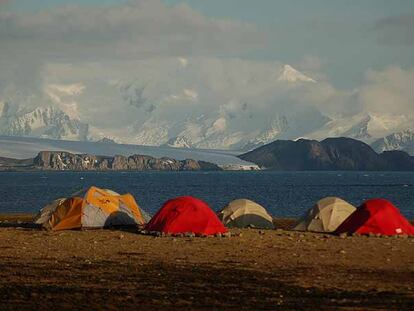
<point>329,154</point>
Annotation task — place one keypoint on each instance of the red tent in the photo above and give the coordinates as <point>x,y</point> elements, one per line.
<point>186,214</point>
<point>376,216</point>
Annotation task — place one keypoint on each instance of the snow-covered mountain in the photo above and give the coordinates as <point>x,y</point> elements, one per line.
<point>189,103</point>
<point>403,140</point>
<point>46,122</point>
<point>220,132</point>
<point>364,126</point>
<point>290,74</point>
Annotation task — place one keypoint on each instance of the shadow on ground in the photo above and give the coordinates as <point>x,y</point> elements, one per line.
<point>79,284</point>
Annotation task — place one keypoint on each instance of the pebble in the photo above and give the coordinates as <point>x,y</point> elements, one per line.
<point>190,235</point>
<point>121,236</point>
<point>343,235</point>
<point>342,251</point>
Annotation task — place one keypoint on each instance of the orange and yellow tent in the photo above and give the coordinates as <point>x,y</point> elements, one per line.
<point>98,208</point>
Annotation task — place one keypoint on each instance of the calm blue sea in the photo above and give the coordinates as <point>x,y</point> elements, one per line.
<point>282,193</point>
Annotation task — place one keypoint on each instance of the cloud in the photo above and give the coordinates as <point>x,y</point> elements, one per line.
<point>395,30</point>
<point>390,91</point>
<point>96,37</point>
<point>245,93</point>
<point>139,29</point>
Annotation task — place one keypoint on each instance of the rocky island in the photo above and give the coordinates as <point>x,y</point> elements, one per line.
<point>331,154</point>
<point>62,160</point>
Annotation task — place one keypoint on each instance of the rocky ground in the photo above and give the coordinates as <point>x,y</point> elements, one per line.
<point>253,269</point>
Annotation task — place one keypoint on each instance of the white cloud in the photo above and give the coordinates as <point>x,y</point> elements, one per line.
<point>140,29</point>
<point>390,90</point>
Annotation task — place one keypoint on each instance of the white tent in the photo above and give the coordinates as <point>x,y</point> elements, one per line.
<point>326,215</point>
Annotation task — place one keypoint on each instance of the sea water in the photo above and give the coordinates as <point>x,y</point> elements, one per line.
<point>284,194</point>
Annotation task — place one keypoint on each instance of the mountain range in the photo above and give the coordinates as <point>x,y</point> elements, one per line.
<point>236,125</point>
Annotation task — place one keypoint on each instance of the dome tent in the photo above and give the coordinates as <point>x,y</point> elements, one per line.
<point>244,213</point>
<point>186,214</point>
<point>377,216</point>
<point>97,209</point>
<point>326,215</point>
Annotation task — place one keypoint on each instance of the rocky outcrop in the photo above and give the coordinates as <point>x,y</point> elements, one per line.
<point>68,161</point>
<point>329,154</point>
<point>61,160</point>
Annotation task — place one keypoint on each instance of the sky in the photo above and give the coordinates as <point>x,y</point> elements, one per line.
<point>346,37</point>
<point>359,52</point>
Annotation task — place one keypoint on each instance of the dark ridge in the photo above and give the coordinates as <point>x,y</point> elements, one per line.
<point>344,154</point>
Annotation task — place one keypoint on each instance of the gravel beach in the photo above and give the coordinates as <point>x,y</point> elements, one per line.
<point>252,269</point>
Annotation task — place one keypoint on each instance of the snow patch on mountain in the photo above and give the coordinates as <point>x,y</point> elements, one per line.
<point>179,142</point>
<point>290,74</point>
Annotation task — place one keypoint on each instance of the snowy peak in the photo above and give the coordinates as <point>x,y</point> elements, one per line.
<point>364,126</point>
<point>403,140</point>
<point>179,142</point>
<point>47,122</point>
<point>290,74</point>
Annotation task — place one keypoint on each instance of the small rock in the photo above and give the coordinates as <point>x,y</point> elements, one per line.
<point>228,234</point>
<point>342,251</point>
<point>218,235</point>
<point>121,236</point>
<point>261,232</point>
<point>190,235</point>
<point>343,235</point>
